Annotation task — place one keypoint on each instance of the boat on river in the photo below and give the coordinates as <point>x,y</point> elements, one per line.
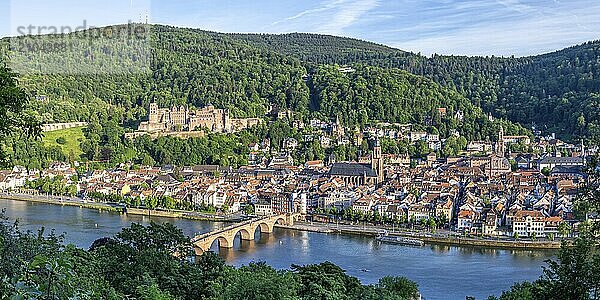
<point>400,240</point>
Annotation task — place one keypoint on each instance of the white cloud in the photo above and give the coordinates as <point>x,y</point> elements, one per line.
<point>528,37</point>
<point>347,15</point>
<point>329,17</point>
<point>516,5</point>
<point>323,7</point>
<point>506,27</point>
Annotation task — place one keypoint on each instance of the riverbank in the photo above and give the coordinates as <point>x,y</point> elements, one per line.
<point>63,201</point>
<point>450,265</point>
<point>57,201</point>
<point>179,215</point>
<point>428,238</point>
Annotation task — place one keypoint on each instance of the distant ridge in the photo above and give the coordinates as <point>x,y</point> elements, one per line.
<point>556,91</point>
<point>250,73</point>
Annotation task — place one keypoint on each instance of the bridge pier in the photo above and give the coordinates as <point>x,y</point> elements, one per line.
<point>246,235</point>
<point>198,251</point>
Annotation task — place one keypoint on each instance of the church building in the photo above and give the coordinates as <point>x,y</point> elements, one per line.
<point>496,164</point>
<point>355,174</point>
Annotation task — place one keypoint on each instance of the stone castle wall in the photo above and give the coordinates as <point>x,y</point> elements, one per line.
<point>61,126</point>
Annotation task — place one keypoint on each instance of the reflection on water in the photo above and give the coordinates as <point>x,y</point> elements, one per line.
<point>465,250</point>
<point>245,247</point>
<point>442,272</point>
<point>440,248</point>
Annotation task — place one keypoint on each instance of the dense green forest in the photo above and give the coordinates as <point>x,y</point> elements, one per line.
<point>195,67</point>
<point>557,92</point>
<point>185,67</point>
<point>392,95</point>
<point>320,49</point>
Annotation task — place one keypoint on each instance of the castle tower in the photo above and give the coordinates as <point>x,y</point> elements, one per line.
<point>226,122</point>
<point>153,113</point>
<point>358,136</point>
<point>377,161</point>
<point>583,153</point>
<point>186,118</point>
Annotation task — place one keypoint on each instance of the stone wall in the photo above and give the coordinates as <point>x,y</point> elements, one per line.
<point>61,126</point>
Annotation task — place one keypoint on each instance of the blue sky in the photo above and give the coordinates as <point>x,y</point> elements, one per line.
<point>475,27</point>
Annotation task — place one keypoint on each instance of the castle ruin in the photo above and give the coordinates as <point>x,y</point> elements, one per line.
<point>182,118</point>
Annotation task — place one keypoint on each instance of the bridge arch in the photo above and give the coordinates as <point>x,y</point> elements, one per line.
<point>246,234</point>
<point>225,237</point>
<point>222,242</point>
<point>265,227</point>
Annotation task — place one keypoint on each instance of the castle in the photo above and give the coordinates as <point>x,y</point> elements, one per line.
<point>182,118</point>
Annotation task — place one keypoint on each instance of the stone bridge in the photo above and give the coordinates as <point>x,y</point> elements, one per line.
<point>246,230</point>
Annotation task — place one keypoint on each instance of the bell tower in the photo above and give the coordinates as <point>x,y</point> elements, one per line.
<point>500,148</point>
<point>377,161</point>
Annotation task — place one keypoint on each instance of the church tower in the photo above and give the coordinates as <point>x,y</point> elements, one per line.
<point>337,128</point>
<point>377,161</point>
<point>500,149</point>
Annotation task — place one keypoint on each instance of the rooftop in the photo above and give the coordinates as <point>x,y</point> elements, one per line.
<point>351,169</point>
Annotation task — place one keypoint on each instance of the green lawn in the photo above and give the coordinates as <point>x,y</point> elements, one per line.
<point>72,136</point>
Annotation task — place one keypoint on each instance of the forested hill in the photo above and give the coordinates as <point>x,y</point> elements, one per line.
<point>186,67</point>
<point>373,93</point>
<point>327,49</point>
<point>190,66</point>
<point>558,91</point>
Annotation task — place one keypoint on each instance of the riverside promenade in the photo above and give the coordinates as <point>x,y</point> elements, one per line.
<point>118,208</point>
<point>442,237</point>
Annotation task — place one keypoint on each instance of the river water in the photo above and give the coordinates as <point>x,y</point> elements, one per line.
<point>442,272</point>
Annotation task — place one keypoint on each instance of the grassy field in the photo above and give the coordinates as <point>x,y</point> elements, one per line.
<point>72,136</point>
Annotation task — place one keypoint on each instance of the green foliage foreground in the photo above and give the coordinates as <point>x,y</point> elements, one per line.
<point>138,263</point>
<point>575,275</point>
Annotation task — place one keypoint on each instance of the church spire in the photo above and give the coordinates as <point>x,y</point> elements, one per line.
<point>377,161</point>
<point>500,145</point>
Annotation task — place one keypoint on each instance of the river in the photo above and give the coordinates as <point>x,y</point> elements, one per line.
<point>442,272</point>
